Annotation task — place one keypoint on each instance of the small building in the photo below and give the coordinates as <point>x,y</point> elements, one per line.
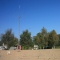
<point>0,47</point>
<point>35,47</point>
<point>12,48</point>
<point>3,47</point>
<point>19,47</point>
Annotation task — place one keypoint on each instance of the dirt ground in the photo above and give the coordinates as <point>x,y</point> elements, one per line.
<point>45,54</point>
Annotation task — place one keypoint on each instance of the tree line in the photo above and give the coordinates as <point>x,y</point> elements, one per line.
<point>43,39</point>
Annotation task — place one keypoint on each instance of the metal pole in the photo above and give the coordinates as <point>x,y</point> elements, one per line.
<point>19,25</point>
<point>19,30</point>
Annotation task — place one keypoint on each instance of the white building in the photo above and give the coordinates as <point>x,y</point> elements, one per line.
<point>35,47</point>
<point>0,47</point>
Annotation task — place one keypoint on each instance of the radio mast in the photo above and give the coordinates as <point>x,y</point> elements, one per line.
<point>19,25</point>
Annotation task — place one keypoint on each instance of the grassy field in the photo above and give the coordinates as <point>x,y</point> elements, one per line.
<point>43,54</point>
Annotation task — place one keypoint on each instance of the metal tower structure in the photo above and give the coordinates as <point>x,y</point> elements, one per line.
<point>19,25</point>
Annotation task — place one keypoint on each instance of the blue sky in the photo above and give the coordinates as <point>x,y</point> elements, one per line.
<point>34,14</point>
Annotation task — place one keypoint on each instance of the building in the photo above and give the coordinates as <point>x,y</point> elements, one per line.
<point>35,47</point>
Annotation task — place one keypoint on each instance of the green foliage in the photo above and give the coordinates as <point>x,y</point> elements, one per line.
<point>42,39</point>
<point>53,38</point>
<point>58,40</point>
<point>25,39</point>
<point>9,39</point>
<point>0,43</point>
<point>57,47</point>
<point>25,47</point>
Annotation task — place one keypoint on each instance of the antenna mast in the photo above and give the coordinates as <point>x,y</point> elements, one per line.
<point>19,25</point>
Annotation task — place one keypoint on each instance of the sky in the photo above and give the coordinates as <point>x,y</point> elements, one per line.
<point>34,15</point>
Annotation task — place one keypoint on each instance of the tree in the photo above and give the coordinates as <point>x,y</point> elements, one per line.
<point>41,38</point>
<point>58,40</point>
<point>35,40</point>
<point>0,41</point>
<point>53,38</point>
<point>9,39</point>
<point>44,37</point>
<point>38,40</point>
<point>25,39</point>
